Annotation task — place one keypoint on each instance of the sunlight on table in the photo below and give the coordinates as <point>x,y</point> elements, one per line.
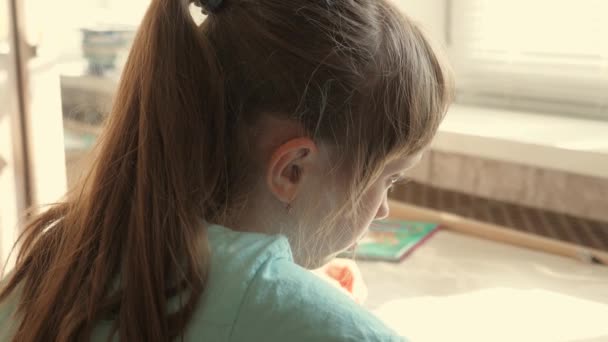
<point>499,314</point>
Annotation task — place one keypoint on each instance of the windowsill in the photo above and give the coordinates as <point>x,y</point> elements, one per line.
<point>573,145</point>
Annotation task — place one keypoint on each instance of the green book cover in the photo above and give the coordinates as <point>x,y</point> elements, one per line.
<point>393,240</point>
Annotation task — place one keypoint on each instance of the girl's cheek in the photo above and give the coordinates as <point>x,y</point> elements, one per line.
<point>377,206</point>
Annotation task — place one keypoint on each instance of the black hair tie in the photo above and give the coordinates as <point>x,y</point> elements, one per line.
<point>209,6</point>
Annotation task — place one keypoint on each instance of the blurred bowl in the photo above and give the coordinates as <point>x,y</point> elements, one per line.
<point>101,47</point>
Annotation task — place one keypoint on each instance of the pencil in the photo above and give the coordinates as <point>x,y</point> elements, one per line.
<point>497,233</point>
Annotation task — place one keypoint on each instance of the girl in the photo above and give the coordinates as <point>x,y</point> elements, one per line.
<point>237,155</point>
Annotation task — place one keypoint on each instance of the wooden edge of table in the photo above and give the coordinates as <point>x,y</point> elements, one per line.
<point>497,233</point>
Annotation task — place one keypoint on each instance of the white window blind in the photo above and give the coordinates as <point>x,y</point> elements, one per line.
<point>540,55</point>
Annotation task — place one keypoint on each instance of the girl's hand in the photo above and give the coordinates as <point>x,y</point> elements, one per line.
<point>345,275</point>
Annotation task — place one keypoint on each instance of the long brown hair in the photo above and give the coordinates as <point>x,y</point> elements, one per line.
<point>355,74</point>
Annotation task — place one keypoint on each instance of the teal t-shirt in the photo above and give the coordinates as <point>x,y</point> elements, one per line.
<point>257,293</point>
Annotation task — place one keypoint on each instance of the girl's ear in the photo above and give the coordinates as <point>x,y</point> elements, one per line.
<point>288,165</point>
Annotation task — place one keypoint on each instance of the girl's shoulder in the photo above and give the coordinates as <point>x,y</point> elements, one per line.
<point>285,302</point>
<point>8,308</point>
<point>281,301</point>
<point>235,260</point>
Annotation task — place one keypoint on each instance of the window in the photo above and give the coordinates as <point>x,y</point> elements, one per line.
<point>539,55</point>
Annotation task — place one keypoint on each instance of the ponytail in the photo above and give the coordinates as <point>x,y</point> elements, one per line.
<point>132,239</point>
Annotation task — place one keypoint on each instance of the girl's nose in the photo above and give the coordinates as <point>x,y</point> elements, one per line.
<point>383,210</point>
